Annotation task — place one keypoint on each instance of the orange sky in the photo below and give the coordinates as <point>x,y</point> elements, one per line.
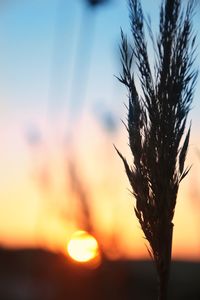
<point>38,208</point>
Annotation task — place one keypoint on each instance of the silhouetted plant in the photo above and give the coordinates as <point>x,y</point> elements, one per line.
<point>156,122</point>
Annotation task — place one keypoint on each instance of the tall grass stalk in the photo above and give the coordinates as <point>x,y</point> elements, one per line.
<point>156,122</point>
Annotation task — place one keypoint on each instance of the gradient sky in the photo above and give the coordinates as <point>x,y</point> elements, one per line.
<point>59,99</point>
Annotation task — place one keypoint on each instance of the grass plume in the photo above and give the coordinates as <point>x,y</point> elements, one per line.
<point>156,122</point>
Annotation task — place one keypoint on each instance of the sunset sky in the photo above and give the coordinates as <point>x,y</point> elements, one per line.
<point>60,114</point>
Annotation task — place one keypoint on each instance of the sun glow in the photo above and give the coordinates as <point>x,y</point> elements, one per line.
<point>83,247</point>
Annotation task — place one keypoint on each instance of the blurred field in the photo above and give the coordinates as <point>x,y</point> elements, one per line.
<point>41,275</point>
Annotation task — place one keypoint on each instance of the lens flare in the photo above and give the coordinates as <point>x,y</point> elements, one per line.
<point>83,247</point>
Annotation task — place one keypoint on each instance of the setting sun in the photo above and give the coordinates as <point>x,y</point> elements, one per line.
<point>83,247</point>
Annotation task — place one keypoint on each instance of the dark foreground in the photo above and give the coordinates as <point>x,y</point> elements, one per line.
<point>41,275</point>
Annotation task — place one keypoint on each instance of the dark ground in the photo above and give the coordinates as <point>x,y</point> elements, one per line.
<point>41,275</point>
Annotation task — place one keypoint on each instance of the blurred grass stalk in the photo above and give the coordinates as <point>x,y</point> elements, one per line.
<point>156,122</point>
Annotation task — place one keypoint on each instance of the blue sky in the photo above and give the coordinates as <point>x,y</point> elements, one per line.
<point>47,46</point>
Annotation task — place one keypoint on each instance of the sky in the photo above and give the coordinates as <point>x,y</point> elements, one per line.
<point>60,114</point>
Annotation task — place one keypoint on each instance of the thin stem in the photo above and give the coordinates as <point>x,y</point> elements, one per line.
<point>163,267</point>
<point>163,286</point>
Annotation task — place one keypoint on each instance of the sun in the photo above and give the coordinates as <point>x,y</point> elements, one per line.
<point>83,247</point>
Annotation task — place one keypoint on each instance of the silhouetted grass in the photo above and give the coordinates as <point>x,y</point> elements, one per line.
<point>157,120</point>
